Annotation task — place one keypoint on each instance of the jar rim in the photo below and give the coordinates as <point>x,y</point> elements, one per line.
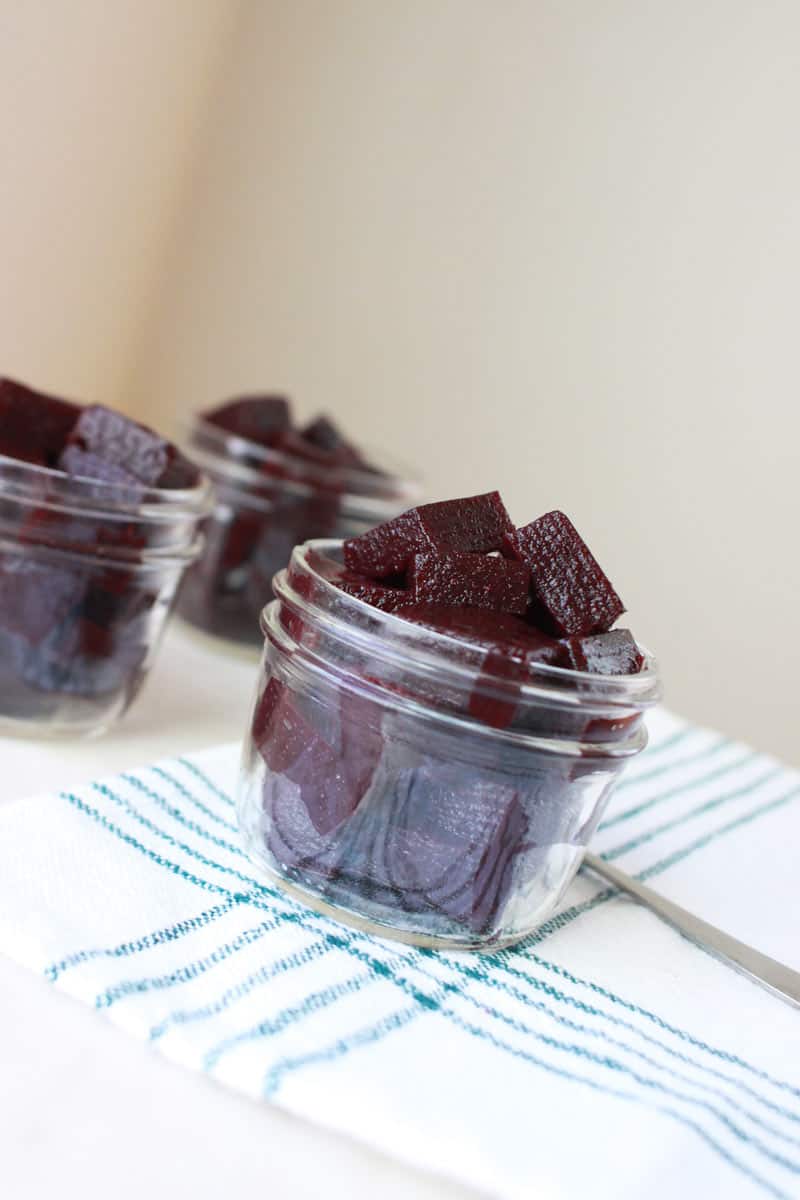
<point>144,560</point>
<point>52,489</point>
<point>389,639</point>
<point>232,458</point>
<point>558,745</point>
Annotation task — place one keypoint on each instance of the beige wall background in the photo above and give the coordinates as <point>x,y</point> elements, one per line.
<point>548,246</point>
<point>102,105</point>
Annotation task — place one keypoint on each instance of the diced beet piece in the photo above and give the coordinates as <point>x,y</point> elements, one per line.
<point>72,631</point>
<point>503,633</point>
<point>332,769</point>
<point>120,443</point>
<point>573,595</point>
<point>291,836</point>
<point>295,445</point>
<point>491,702</point>
<point>361,742</point>
<point>511,650</point>
<point>312,805</point>
<point>316,516</point>
<point>263,716</point>
<point>327,436</point>
<point>236,542</point>
<point>91,443</point>
<point>377,594</point>
<point>507,665</point>
<point>324,433</point>
<point>293,749</point>
<point>116,602</point>
<point>273,549</point>
<point>261,418</point>
<point>539,647</point>
<point>78,658</point>
<point>470,580</point>
<point>82,532</point>
<point>34,427</point>
<point>328,790</point>
<point>494,699</point>
<point>389,594</point>
<point>441,841</point>
<point>472,525</point>
<point>278,739</point>
<point>614,653</point>
<point>84,464</point>
<point>36,596</point>
<point>292,522</point>
<point>179,472</point>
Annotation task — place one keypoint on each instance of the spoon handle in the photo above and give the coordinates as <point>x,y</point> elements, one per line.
<point>777,978</point>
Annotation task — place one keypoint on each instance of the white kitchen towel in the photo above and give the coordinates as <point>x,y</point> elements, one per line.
<point>605,1057</point>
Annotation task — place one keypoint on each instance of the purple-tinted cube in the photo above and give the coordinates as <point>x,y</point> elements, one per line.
<point>332,768</point>
<point>83,659</point>
<point>439,840</point>
<point>85,464</point>
<point>614,653</point>
<point>37,596</point>
<point>119,443</point>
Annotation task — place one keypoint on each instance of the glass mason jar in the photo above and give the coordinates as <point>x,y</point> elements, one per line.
<point>414,785</point>
<point>88,573</point>
<point>267,502</point>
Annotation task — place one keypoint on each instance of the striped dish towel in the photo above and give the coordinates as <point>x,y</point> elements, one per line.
<point>605,1057</point>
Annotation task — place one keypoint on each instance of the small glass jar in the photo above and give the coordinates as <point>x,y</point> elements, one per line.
<point>88,574</point>
<point>408,783</point>
<point>269,501</point>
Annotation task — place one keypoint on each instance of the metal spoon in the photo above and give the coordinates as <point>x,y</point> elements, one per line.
<point>777,978</point>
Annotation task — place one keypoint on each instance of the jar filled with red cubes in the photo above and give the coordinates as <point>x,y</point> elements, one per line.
<point>276,487</point>
<point>99,519</point>
<point>444,708</point>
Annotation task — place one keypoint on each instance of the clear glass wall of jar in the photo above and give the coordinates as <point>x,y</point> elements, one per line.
<point>267,502</point>
<point>393,778</point>
<point>88,574</point>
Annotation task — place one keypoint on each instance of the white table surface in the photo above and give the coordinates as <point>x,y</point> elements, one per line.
<point>87,1111</point>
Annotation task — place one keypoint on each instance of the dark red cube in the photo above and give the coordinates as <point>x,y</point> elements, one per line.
<point>501,633</point>
<point>260,419</point>
<point>325,435</point>
<point>371,592</point>
<point>572,595</point>
<point>472,525</point>
<point>36,596</point>
<point>33,426</point>
<point>470,580</point>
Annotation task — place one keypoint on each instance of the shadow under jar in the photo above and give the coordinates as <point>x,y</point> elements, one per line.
<point>267,502</point>
<point>88,574</point>
<point>393,779</point>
